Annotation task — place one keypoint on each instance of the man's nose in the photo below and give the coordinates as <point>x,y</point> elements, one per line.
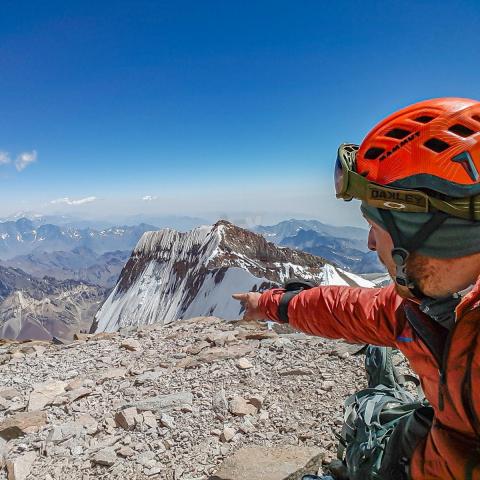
<point>372,244</point>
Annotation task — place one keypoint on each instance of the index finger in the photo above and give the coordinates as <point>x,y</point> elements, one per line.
<point>240,296</point>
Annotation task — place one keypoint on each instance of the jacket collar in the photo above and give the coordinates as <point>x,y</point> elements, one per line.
<point>470,301</point>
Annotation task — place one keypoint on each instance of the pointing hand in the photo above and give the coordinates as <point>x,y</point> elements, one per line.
<point>250,302</point>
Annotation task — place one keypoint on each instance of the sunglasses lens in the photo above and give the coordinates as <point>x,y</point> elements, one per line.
<point>339,177</point>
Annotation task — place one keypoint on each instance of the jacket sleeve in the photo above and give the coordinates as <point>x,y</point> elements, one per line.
<point>360,315</point>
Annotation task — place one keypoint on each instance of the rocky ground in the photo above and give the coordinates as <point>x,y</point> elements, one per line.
<point>181,401</point>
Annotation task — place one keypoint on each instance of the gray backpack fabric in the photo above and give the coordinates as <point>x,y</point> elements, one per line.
<point>373,415</point>
<point>370,418</point>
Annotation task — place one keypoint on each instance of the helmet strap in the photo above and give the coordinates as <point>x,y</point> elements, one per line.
<point>403,248</point>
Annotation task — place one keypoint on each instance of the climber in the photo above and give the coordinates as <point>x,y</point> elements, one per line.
<point>417,176</point>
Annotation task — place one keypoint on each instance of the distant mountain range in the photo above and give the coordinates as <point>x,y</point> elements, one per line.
<point>344,246</point>
<point>178,222</point>
<point>81,264</point>
<point>22,237</point>
<point>44,308</point>
<point>289,228</point>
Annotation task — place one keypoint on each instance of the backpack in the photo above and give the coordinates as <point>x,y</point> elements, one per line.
<point>375,414</point>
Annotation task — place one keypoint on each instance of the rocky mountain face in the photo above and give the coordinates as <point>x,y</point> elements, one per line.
<point>346,247</point>
<point>23,237</point>
<point>201,399</point>
<point>44,308</point>
<point>173,275</point>
<point>81,263</point>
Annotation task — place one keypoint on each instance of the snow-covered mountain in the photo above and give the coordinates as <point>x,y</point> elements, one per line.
<point>173,275</point>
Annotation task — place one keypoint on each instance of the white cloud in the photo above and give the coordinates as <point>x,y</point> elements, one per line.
<point>4,158</point>
<point>25,159</point>
<point>69,201</point>
<point>149,198</point>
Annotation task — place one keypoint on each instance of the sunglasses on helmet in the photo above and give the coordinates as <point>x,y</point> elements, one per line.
<point>350,184</point>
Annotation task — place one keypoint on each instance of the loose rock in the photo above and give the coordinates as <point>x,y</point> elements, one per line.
<point>131,344</point>
<point>244,364</point>
<point>44,394</point>
<point>21,423</point>
<point>106,457</point>
<point>20,467</point>
<point>240,406</point>
<point>276,463</point>
<point>126,418</point>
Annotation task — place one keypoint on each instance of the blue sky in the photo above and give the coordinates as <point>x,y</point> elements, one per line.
<point>211,106</point>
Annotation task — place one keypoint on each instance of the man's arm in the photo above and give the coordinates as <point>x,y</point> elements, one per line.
<point>364,315</point>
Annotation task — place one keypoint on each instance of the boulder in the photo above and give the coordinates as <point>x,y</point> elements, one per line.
<point>44,393</point>
<point>22,423</point>
<point>275,463</point>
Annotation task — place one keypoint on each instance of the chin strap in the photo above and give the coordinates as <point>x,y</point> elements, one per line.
<point>403,248</point>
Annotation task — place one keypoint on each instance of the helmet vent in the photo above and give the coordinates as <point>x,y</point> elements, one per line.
<point>436,145</point>
<point>461,130</point>
<point>373,153</point>
<point>398,133</point>
<point>476,118</point>
<point>424,119</point>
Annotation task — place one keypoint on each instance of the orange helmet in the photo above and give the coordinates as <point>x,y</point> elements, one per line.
<point>433,145</point>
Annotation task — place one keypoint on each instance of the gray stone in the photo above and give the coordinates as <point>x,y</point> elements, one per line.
<point>275,463</point>
<point>88,423</point>
<point>78,393</point>
<point>227,434</point>
<point>149,419</point>
<point>244,364</point>
<point>146,459</point>
<point>19,468</point>
<point>167,421</point>
<point>328,385</point>
<point>110,374</point>
<point>215,354</point>
<point>126,452</point>
<point>295,371</point>
<point>219,402</point>
<point>239,406</point>
<point>61,433</point>
<point>148,377</point>
<point>163,402</point>
<point>45,393</point>
<point>131,344</point>
<point>10,393</point>
<point>106,457</point>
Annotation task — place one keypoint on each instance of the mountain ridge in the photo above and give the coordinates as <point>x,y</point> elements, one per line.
<point>173,275</point>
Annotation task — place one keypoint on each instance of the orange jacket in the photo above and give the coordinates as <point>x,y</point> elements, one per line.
<point>451,381</point>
